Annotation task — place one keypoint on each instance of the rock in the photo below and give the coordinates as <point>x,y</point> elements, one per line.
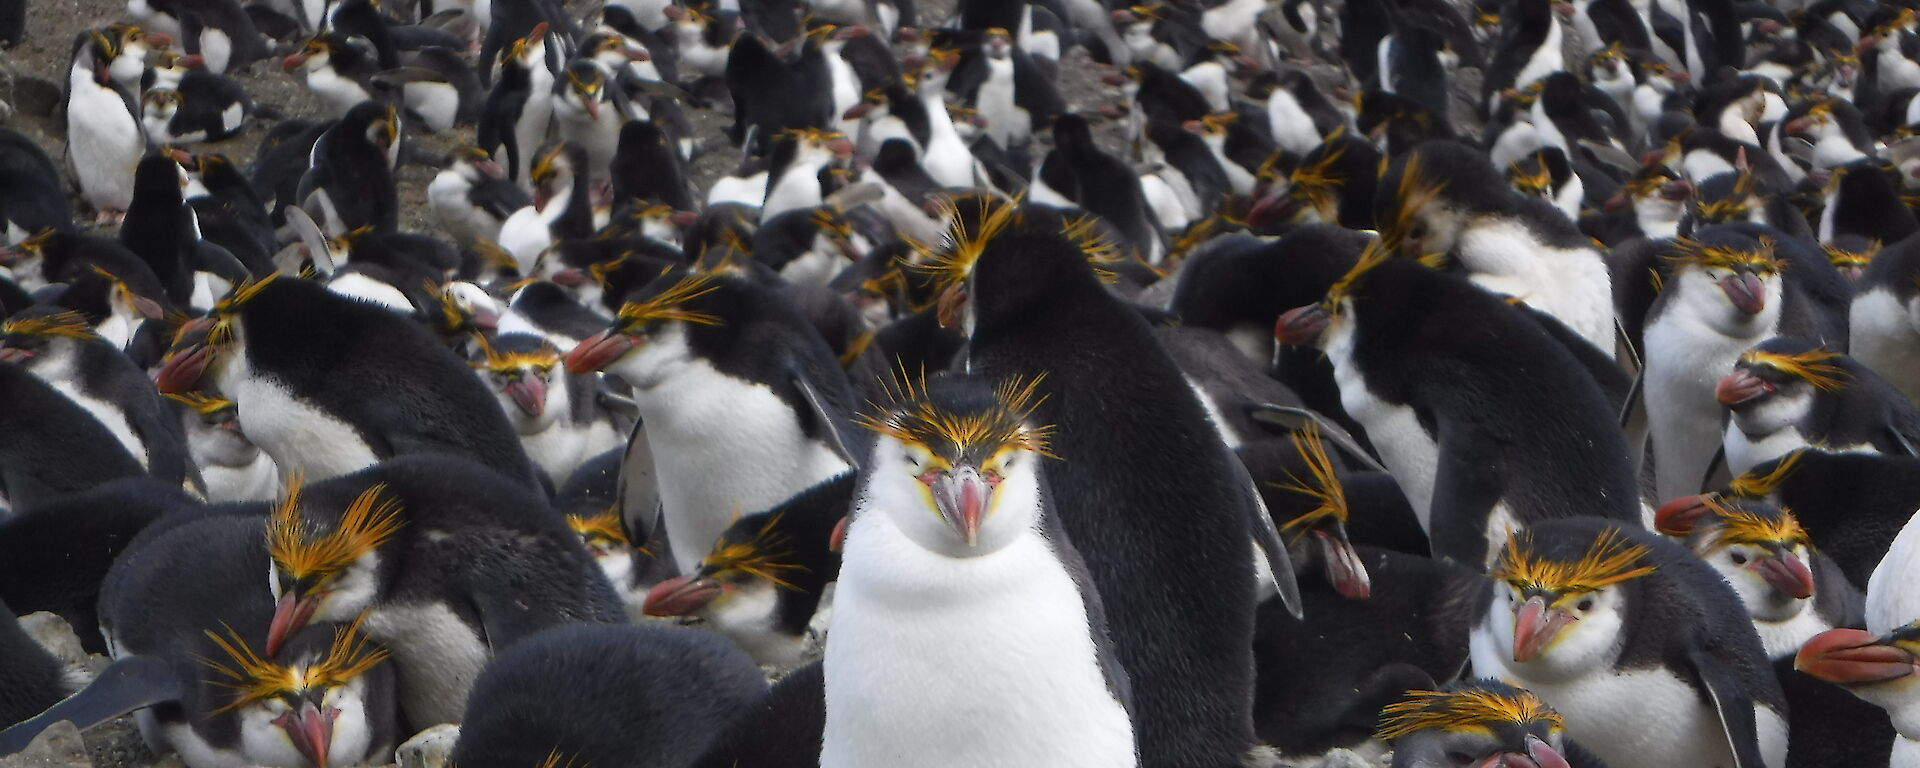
<point>59,746</point>
<point>57,636</point>
<point>430,748</point>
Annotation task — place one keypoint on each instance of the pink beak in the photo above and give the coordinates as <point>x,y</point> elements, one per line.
<point>1535,626</point>
<point>530,393</point>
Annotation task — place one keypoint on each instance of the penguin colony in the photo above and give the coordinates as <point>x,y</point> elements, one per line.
<point>1491,383</point>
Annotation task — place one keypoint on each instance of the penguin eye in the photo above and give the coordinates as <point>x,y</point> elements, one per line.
<point>1738,558</point>
<point>1460,758</point>
<point>1585,604</point>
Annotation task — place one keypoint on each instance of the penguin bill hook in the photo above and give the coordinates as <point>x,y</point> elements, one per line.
<point>960,495</point>
<point>1852,657</point>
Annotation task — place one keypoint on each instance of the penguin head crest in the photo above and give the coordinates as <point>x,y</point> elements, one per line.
<point>761,551</point>
<point>1761,480</point>
<point>1844,259</point>
<point>1321,485</point>
<point>1813,366</point>
<point>1468,708</point>
<point>202,403</point>
<point>542,357</point>
<point>221,333</point>
<point>954,433</point>
<point>601,529</point>
<point>972,223</point>
<point>255,679</point>
<point>68,324</point>
<point>302,553</point>
<point>1608,560</point>
<point>670,304</point>
<point>1746,525</point>
<point>1760,260</point>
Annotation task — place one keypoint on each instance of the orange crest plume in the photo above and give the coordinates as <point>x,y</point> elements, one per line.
<point>911,418</point>
<point>69,324</point>
<point>1740,526</point>
<point>765,555</point>
<point>670,303</point>
<point>1460,710</point>
<point>1754,486</point>
<point>1323,485</point>
<point>1811,366</point>
<point>1608,560</point>
<point>369,521</point>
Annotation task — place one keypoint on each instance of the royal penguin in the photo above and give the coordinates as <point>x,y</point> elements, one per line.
<point>473,197</point>
<point>203,106</point>
<point>1384,348</point>
<point>561,207</point>
<point>1884,317</point>
<point>339,71</point>
<point>551,410</point>
<point>1029,300</point>
<point>722,366</point>
<point>607,695</point>
<point>349,183</point>
<point>1643,647</point>
<point>1786,394</point>
<point>1446,198</point>
<point>519,109</point>
<point>327,385</point>
<point>449,561</point>
<point>195,670</point>
<point>762,581</point>
<point>1877,664</point>
<point>231,466</point>
<point>954,549</point>
<point>105,139</point>
<point>61,350</point>
<point>57,446</point>
<point>1481,723</point>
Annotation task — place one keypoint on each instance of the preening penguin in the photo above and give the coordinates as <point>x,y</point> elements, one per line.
<point>327,385</point>
<point>1642,647</point>
<point>953,551</point>
<point>606,695</point>
<point>1481,723</point>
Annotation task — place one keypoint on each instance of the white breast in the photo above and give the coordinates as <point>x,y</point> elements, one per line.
<point>436,103</point>
<point>723,446</point>
<point>1883,337</point>
<point>1572,285</point>
<point>1784,638</point>
<point>1545,61</point>
<point>1405,447</point>
<point>1685,358</point>
<point>295,432</point>
<point>997,648</point>
<point>439,655</point>
<point>1007,123</point>
<point>104,142</point>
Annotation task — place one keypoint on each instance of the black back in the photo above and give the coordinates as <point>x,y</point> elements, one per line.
<point>784,731</point>
<point>53,446</point>
<point>31,679</point>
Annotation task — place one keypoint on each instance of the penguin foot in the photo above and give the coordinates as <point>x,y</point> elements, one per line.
<point>109,216</point>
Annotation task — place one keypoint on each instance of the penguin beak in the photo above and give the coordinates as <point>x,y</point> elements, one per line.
<point>1539,755</point>
<point>1344,569</point>
<point>1739,387</point>
<point>1302,326</point>
<point>1745,291</point>
<point>1535,626</point>
<point>293,61</point>
<point>597,352</point>
<point>1853,657</point>
<point>681,595</point>
<point>293,613</point>
<point>311,731</point>
<point>183,369</point>
<point>530,393</point>
<point>951,307</point>
<point>1786,573</point>
<point>1276,208</point>
<point>960,496</point>
<point>1676,517</point>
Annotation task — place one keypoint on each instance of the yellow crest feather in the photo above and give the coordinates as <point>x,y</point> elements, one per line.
<point>670,303</point>
<point>1752,486</point>
<point>1323,485</point>
<point>369,521</point>
<point>1739,526</point>
<point>908,416</point>
<point>69,324</point>
<point>1608,560</point>
<point>1810,366</point>
<point>1458,710</point>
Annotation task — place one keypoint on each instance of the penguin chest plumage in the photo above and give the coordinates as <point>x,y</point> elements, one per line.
<point>438,104</point>
<point>1883,335</point>
<point>296,432</point>
<point>58,372</point>
<point>724,445</point>
<point>1405,446</point>
<point>1573,285</point>
<point>1007,123</point>
<point>1685,357</point>
<point>104,142</point>
<point>439,656</point>
<point>1648,718</point>
<point>338,93</point>
<point>555,449</point>
<point>257,480</point>
<point>1784,638</point>
<point>1003,638</point>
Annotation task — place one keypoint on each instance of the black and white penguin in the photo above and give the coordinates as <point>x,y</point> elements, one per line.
<point>328,385</point>
<point>61,350</point>
<point>1385,346</point>
<point>519,108</point>
<point>57,447</point>
<point>1884,318</point>
<point>552,411</point>
<point>723,366</point>
<point>32,200</point>
<point>349,183</point>
<point>1528,51</point>
<point>337,70</point>
<point>762,581</point>
<point>203,106</point>
<point>588,111</point>
<point>561,207</point>
<point>473,197</point>
<point>1446,198</point>
<point>449,561</point>
<point>1877,667</point>
<point>1479,722</point>
<point>1031,301</point>
<point>606,695</point>
<point>1642,646</point>
<point>231,467</point>
<point>954,548</point>
<point>105,139</point>
<point>1786,394</point>
<point>1107,186</point>
<point>195,671</point>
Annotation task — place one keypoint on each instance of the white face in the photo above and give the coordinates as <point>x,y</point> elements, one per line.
<point>1587,643</point>
<point>898,486</point>
<point>267,744</point>
<point>662,352</point>
<point>1711,305</point>
<point>1435,228</point>
<point>345,595</point>
<point>1763,601</point>
<point>1775,411</point>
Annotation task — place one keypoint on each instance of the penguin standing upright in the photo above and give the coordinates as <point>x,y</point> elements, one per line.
<point>723,367</point>
<point>1884,318</point>
<point>1435,431</point>
<point>955,552</point>
<point>328,385</point>
<point>349,184</point>
<point>104,135</point>
<point>1640,644</point>
<point>1149,501</point>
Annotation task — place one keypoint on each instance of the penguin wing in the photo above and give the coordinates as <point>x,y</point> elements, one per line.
<point>1295,418</point>
<point>818,421</point>
<point>1465,491</point>
<point>1267,537</point>
<point>638,491</point>
<point>129,684</point>
<point>1735,707</point>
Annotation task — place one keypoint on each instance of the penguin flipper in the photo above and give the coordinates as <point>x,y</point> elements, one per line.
<point>638,491</point>
<point>825,426</point>
<point>1294,418</point>
<point>129,684</point>
<point>1267,537</point>
<point>1734,706</point>
<point>1717,474</point>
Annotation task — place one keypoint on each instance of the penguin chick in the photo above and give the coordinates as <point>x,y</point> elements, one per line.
<point>606,695</point>
<point>1766,556</point>
<point>953,551</point>
<point>764,578</point>
<point>1786,394</point>
<point>1640,644</point>
<point>1483,723</point>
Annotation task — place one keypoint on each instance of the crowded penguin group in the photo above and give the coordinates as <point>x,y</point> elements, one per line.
<point>864,384</point>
